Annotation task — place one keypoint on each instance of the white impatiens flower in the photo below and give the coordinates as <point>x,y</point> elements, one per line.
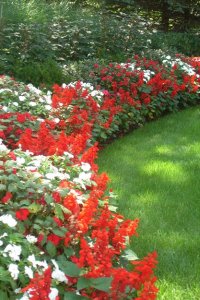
<point>28,153</point>
<point>85,167</point>
<point>32,104</point>
<point>34,89</point>
<point>5,108</point>
<point>8,220</point>
<point>57,274</point>
<point>20,161</point>
<point>56,120</point>
<point>83,179</point>
<point>37,160</point>
<point>22,98</point>
<point>80,198</point>
<point>55,173</point>
<point>17,291</point>
<point>3,148</point>
<point>68,154</point>
<point>3,235</point>
<point>148,74</point>
<point>5,90</point>
<point>1,243</point>
<point>35,263</point>
<point>50,176</point>
<point>14,271</point>
<point>13,251</point>
<point>32,260</point>
<point>28,271</point>
<point>130,66</point>
<point>31,239</point>
<point>42,264</point>
<point>53,294</point>
<point>85,176</point>
<point>31,168</point>
<point>48,107</point>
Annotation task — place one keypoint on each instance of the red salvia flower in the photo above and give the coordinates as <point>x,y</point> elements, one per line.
<point>22,214</point>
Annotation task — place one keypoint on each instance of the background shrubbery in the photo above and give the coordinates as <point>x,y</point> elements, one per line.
<point>37,39</point>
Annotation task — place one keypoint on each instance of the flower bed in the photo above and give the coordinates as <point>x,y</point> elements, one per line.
<point>60,234</point>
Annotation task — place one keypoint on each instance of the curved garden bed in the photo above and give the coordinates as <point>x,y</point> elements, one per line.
<point>61,236</point>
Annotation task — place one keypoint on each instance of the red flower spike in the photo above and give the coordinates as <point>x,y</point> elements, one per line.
<point>6,198</point>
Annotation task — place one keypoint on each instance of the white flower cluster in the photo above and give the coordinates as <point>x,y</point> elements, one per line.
<point>23,97</point>
<point>84,177</point>
<point>1,237</point>
<point>3,147</point>
<point>13,251</point>
<point>148,74</point>
<point>54,172</point>
<point>42,170</point>
<point>39,166</point>
<point>31,239</point>
<point>52,295</point>
<point>14,271</point>
<point>185,67</point>
<point>56,275</point>
<point>96,94</point>
<point>130,66</point>
<point>36,263</point>
<point>8,220</point>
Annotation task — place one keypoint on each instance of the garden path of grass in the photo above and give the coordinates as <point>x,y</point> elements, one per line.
<point>155,171</point>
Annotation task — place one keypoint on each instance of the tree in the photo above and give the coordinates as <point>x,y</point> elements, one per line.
<point>179,15</point>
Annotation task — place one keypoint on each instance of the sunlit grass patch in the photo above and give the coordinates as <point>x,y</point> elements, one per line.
<point>156,172</point>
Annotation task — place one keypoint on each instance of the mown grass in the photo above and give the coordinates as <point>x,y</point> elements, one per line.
<point>155,171</point>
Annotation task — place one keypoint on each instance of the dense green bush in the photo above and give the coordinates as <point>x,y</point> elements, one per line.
<point>55,42</point>
<point>39,73</point>
<point>185,43</point>
<point>77,36</point>
<point>96,35</point>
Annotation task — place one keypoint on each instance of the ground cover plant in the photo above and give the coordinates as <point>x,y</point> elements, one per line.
<point>48,148</point>
<point>155,173</point>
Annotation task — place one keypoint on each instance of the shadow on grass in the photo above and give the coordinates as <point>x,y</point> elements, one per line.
<point>156,173</point>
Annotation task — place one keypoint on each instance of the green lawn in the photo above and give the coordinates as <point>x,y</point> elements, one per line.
<point>155,172</point>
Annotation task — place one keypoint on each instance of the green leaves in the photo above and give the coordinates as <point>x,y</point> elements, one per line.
<point>2,187</point>
<point>129,255</point>
<point>4,275</point>
<point>35,208</point>
<point>73,296</point>
<point>145,89</point>
<point>51,249</point>
<point>3,295</point>
<point>60,232</point>
<point>69,268</point>
<point>60,210</point>
<point>102,283</point>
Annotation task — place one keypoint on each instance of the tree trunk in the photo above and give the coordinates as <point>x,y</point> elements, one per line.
<point>165,17</point>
